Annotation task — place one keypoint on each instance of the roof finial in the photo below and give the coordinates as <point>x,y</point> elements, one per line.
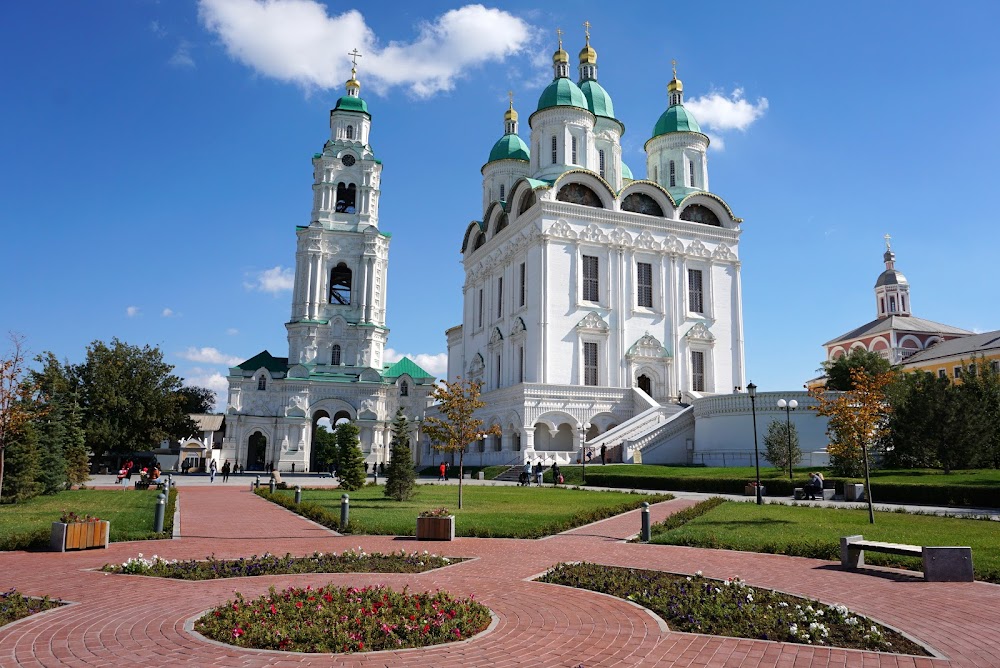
<point>353,87</point>
<point>559,33</point>
<point>673,64</point>
<point>354,57</point>
<point>510,94</point>
<point>888,246</point>
<point>586,31</point>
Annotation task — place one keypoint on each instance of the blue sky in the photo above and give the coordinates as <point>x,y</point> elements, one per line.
<point>157,157</point>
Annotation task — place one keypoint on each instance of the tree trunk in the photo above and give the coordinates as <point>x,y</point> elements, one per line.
<point>461,459</point>
<point>2,449</point>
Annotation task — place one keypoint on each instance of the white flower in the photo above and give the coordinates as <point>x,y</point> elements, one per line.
<point>793,629</point>
<point>698,573</point>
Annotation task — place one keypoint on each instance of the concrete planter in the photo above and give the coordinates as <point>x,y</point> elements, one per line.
<point>436,528</point>
<point>751,490</point>
<point>79,535</point>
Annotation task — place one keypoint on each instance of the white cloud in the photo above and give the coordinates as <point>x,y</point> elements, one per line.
<point>433,364</point>
<point>213,380</point>
<point>167,312</point>
<point>297,41</point>
<point>232,331</point>
<point>209,356</point>
<point>182,55</point>
<point>132,311</point>
<point>274,280</point>
<point>157,29</point>
<point>721,113</point>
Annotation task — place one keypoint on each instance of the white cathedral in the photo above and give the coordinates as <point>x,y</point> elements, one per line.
<point>599,309</point>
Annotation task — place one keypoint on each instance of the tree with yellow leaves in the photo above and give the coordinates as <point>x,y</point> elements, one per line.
<point>857,419</point>
<point>17,402</point>
<point>457,427</point>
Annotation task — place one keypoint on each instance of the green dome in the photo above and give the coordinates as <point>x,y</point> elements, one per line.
<point>598,100</point>
<point>676,119</point>
<point>509,147</point>
<point>562,93</point>
<point>626,172</point>
<point>351,103</point>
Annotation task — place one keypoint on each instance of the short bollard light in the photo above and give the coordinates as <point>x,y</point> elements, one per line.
<point>161,507</point>
<point>170,479</point>
<point>271,485</point>
<point>644,536</point>
<point>345,509</point>
<point>298,494</point>
<point>256,484</point>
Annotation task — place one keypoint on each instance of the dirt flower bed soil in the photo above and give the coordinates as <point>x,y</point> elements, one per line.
<point>732,608</point>
<point>344,619</point>
<point>14,606</point>
<point>347,561</point>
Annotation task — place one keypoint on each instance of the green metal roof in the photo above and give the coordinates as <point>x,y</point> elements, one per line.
<point>676,119</point>
<point>509,147</point>
<point>407,366</point>
<point>598,100</point>
<point>562,93</point>
<point>627,173</point>
<point>350,103</point>
<point>266,360</point>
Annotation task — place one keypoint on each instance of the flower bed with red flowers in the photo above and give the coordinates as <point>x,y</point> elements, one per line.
<point>344,619</point>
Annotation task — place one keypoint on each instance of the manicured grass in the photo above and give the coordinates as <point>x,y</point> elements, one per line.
<point>489,512</point>
<point>972,478</point>
<point>27,525</point>
<point>489,472</point>
<point>695,604</point>
<point>815,532</point>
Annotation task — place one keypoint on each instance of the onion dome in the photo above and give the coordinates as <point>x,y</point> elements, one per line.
<point>598,100</point>
<point>587,54</point>
<point>562,93</point>
<point>510,146</point>
<point>891,275</point>
<point>676,118</point>
<point>627,173</point>
<point>352,101</point>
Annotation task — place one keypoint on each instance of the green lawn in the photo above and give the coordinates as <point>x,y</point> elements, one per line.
<point>494,512</point>
<point>29,523</point>
<point>816,532</point>
<point>972,478</point>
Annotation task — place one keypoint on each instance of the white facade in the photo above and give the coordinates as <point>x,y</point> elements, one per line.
<point>337,330</point>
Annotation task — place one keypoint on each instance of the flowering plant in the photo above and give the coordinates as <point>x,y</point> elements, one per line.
<point>436,512</point>
<point>14,606</point>
<point>69,517</point>
<point>343,619</point>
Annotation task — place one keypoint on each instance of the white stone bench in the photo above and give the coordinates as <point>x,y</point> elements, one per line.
<point>941,564</point>
<point>799,494</point>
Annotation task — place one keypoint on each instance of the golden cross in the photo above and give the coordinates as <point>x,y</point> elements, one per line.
<point>354,56</point>
<point>510,94</point>
<point>586,30</point>
<point>560,34</point>
<point>887,240</point>
<point>673,63</point>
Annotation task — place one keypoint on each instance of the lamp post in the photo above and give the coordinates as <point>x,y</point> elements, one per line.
<point>789,406</point>
<point>752,391</point>
<point>584,428</point>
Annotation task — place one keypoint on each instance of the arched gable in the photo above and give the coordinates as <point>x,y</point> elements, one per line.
<point>713,202</point>
<point>653,190</point>
<point>587,178</point>
<point>496,219</point>
<point>553,419</point>
<point>468,240</point>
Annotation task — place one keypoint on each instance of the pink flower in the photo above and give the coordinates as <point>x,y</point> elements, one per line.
<point>237,632</point>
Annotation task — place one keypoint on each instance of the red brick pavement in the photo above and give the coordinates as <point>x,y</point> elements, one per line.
<point>128,620</point>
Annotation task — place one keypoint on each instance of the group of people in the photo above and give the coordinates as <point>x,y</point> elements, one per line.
<point>538,472</point>
<point>814,486</point>
<point>147,474</point>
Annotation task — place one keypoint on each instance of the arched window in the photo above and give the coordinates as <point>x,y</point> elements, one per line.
<point>577,193</point>
<point>350,132</point>
<point>645,384</point>
<point>404,389</point>
<point>480,240</point>
<point>573,146</point>
<point>642,203</point>
<point>502,191</point>
<point>600,161</point>
<point>528,200</point>
<point>696,213</point>
<point>346,196</point>
<point>673,174</point>
<point>335,355</point>
<point>262,383</point>
<point>892,304</point>
<point>555,152</point>
<point>340,285</point>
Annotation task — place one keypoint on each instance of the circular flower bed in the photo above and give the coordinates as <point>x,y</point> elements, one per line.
<point>344,619</point>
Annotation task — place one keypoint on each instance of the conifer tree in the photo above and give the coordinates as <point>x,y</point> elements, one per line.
<point>50,429</point>
<point>401,477</point>
<point>22,466</point>
<point>75,447</point>
<point>352,467</point>
<point>776,448</point>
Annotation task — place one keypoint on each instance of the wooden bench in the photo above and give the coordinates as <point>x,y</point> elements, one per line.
<point>941,564</point>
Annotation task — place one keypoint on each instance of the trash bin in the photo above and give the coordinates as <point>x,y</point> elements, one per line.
<point>854,492</point>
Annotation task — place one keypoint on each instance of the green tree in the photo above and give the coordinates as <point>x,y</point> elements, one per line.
<point>325,445</point>
<point>924,422</point>
<point>131,399</point>
<point>979,395</point>
<point>401,478</point>
<point>17,400</point>
<point>196,400</point>
<point>457,427</point>
<point>352,467</point>
<point>57,426</point>
<point>839,371</point>
<point>776,444</point>
<point>23,466</point>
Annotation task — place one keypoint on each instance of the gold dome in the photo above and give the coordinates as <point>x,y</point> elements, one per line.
<point>510,114</point>
<point>560,56</point>
<point>675,85</point>
<point>588,56</point>
<point>353,81</point>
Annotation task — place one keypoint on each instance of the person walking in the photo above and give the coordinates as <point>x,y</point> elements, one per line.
<point>539,472</point>
<point>212,468</point>
<point>556,475</point>
<point>604,454</point>
<point>225,471</point>
<point>526,474</point>
<point>441,470</point>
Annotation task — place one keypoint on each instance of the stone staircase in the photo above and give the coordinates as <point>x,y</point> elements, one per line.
<point>512,474</point>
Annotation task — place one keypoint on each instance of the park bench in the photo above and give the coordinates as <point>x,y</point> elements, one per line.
<point>941,564</point>
<point>800,493</point>
<point>140,484</point>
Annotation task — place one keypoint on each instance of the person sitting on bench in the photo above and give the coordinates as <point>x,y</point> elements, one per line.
<point>814,486</point>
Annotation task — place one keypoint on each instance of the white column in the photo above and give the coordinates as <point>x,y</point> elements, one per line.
<point>544,312</point>
<point>739,372</point>
<point>364,289</point>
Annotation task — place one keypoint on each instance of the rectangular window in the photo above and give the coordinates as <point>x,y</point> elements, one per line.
<point>573,145</point>
<point>696,295</point>
<point>480,320</point>
<point>697,371</point>
<point>555,152</point>
<point>673,175</point>
<point>995,366</point>
<point>498,370</point>
<point>591,287</point>
<point>522,282</point>
<point>644,284</point>
<point>958,372</point>
<point>600,156</point>
<point>691,173</point>
<point>942,373</point>
<point>500,297</point>
<point>590,364</point>
<point>520,364</point>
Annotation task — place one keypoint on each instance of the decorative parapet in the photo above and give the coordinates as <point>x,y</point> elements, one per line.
<point>766,402</point>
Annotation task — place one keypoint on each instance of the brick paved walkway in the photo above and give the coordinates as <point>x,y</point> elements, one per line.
<point>128,620</point>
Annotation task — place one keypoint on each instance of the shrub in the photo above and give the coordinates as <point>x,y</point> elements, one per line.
<point>682,517</point>
<point>14,606</point>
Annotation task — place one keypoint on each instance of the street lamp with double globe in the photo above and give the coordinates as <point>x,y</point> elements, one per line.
<point>752,391</point>
<point>789,406</point>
